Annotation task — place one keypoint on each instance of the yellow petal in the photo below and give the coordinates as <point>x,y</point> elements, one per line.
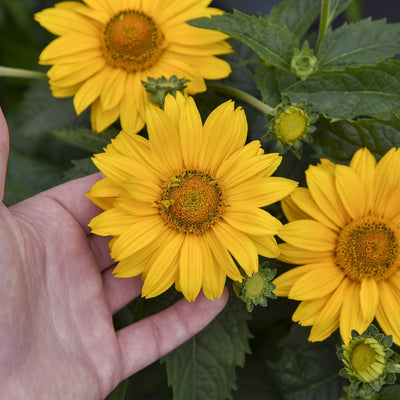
<point>307,311</point>
<point>327,319</point>
<point>322,280</point>
<point>364,164</point>
<point>260,192</point>
<point>351,316</point>
<point>295,255</point>
<point>192,259</point>
<point>164,139</point>
<point>321,184</point>
<point>225,131</point>
<point>222,257</point>
<point>291,210</point>
<point>369,298</point>
<point>164,266</point>
<point>351,191</point>
<point>266,245</point>
<point>140,234</point>
<point>285,281</point>
<point>387,179</point>
<point>387,312</point>
<point>239,245</point>
<point>112,222</point>
<point>302,198</point>
<point>142,189</point>
<point>309,235</point>
<point>251,220</point>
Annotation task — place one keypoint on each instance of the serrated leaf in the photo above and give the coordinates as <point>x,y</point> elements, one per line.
<point>273,43</point>
<point>81,168</point>
<point>85,139</point>
<point>339,140</point>
<point>297,15</point>
<point>203,368</point>
<point>364,42</point>
<point>365,91</point>
<point>27,176</point>
<point>307,371</point>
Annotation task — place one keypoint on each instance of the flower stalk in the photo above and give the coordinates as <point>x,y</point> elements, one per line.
<point>240,94</point>
<point>21,73</point>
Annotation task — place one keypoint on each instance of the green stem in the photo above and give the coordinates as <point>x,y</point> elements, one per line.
<point>21,73</point>
<point>249,99</point>
<point>323,22</point>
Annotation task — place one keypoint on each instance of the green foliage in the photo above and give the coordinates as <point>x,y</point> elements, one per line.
<point>273,43</point>
<point>339,140</point>
<point>307,371</point>
<point>203,368</point>
<point>371,42</point>
<point>363,91</point>
<point>85,139</point>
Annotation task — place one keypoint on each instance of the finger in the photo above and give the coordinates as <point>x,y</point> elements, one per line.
<point>148,340</point>
<point>101,251</point>
<point>120,291</point>
<point>4,148</point>
<point>72,196</point>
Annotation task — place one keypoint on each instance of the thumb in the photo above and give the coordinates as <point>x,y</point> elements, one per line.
<point>4,148</point>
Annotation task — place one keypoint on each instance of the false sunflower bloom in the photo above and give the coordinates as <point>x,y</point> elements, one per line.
<point>106,48</point>
<point>182,204</point>
<point>345,231</point>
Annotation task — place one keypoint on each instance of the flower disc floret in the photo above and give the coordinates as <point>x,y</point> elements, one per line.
<point>132,41</point>
<point>368,248</point>
<point>191,202</point>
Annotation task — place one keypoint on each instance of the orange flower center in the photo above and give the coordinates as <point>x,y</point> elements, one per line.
<point>132,41</point>
<point>191,202</point>
<point>368,248</point>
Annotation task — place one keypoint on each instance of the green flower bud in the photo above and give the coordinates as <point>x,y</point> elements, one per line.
<point>157,89</point>
<point>369,363</point>
<point>255,289</point>
<point>290,125</point>
<point>303,63</point>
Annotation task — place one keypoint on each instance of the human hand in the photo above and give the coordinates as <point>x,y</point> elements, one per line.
<point>58,295</point>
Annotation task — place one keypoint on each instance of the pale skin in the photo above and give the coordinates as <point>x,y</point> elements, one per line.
<point>58,295</point>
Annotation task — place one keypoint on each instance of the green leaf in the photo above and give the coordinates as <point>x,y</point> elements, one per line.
<point>364,42</point>
<point>203,368</point>
<point>307,371</point>
<point>365,91</point>
<point>271,82</point>
<point>297,15</point>
<point>255,381</point>
<point>339,140</point>
<point>81,168</point>
<point>27,176</point>
<point>390,393</point>
<point>85,139</point>
<point>273,43</point>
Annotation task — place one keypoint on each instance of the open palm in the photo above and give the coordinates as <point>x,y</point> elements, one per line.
<point>57,298</point>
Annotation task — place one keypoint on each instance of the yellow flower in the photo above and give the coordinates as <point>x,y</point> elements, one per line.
<point>181,204</point>
<point>106,48</point>
<point>345,230</point>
